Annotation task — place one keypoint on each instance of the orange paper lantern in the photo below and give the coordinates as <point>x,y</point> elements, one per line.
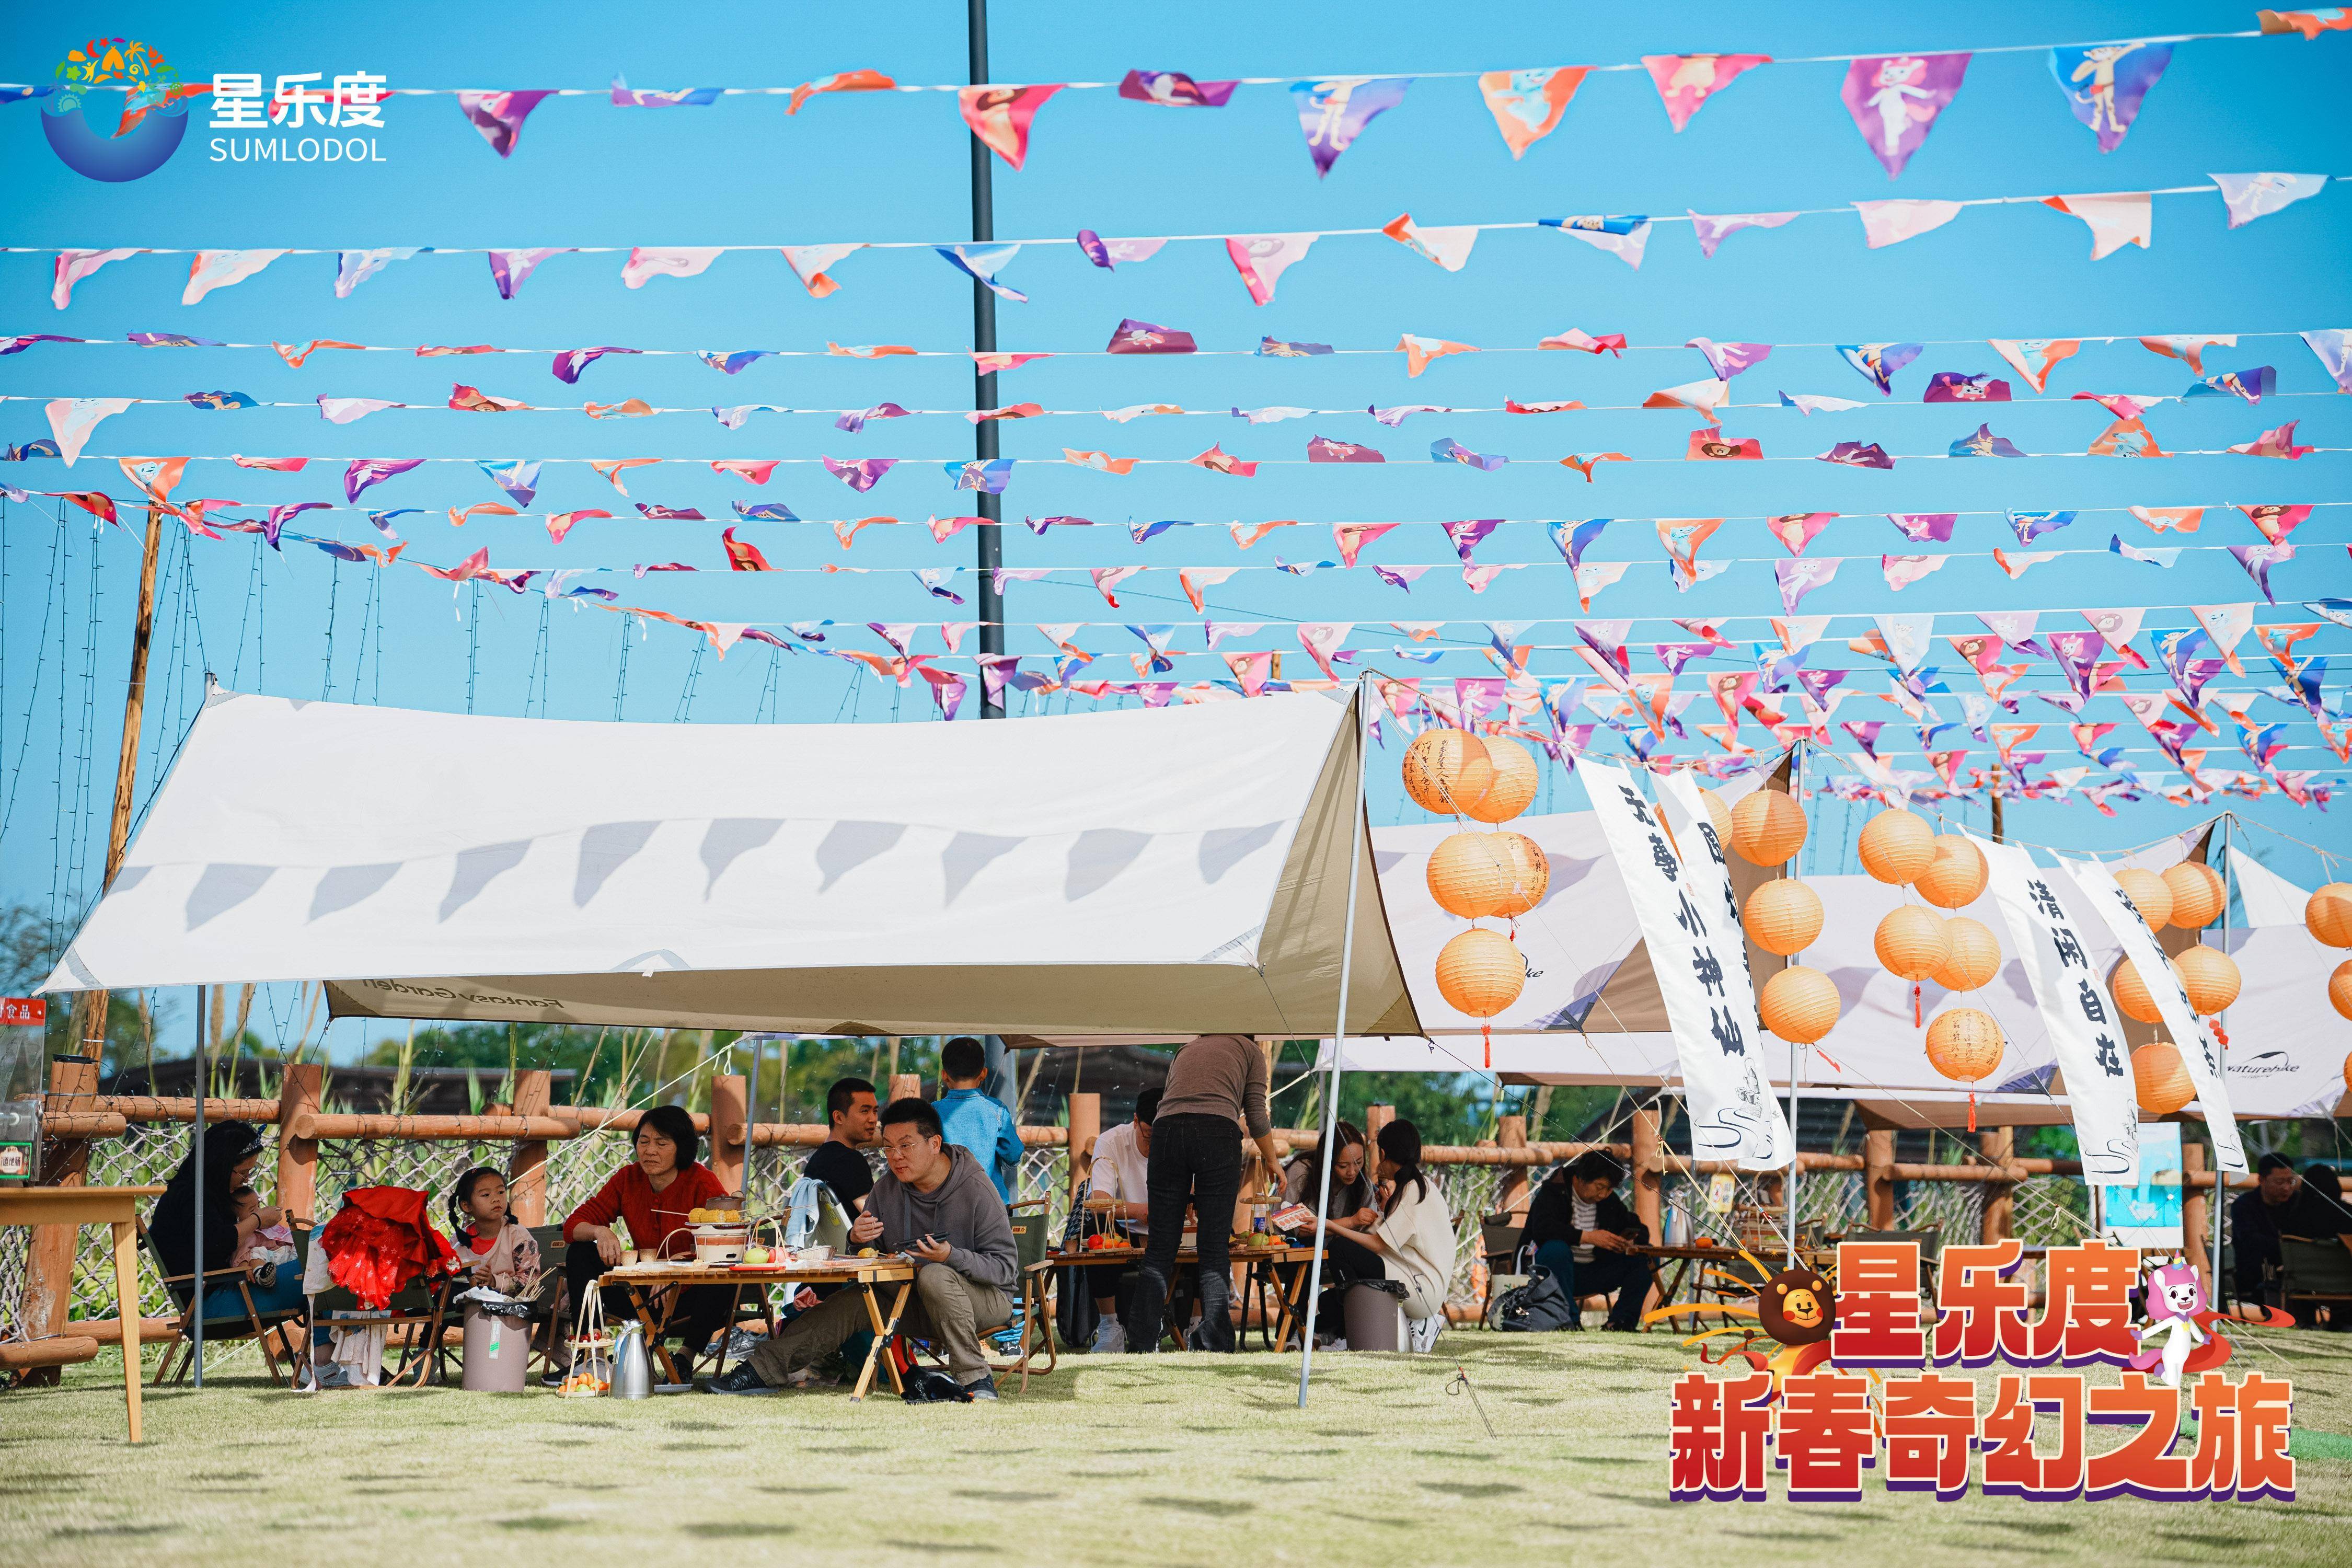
<point>1910,941</point>
<point>1719,815</point>
<point>2198,894</point>
<point>2149,893</point>
<point>2327,915</point>
<point>1964,1044</point>
<point>2339,991</point>
<point>1972,955</point>
<point>1445,769</point>
<point>1514,784</point>
<point>2210,977</point>
<point>2130,992</point>
<point>1955,877</point>
<point>1896,845</point>
<point>1767,827</point>
<point>1530,877</point>
<point>1783,916</point>
<point>2159,1080</point>
<point>1799,1004</point>
<point>1480,972</point>
<point>1470,875</point>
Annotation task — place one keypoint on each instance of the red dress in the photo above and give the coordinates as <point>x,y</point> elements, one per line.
<point>381,1241</point>
<point>651,1216</point>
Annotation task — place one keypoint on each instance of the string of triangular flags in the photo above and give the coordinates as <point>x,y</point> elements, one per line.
<point>1893,99</point>
<point>2115,218</point>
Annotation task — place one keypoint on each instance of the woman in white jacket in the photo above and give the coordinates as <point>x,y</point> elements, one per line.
<point>1415,1233</point>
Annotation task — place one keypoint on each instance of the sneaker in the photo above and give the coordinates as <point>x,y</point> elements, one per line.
<point>1423,1337</point>
<point>551,1378</point>
<point>985,1389</point>
<point>742,1343</point>
<point>743,1380</point>
<point>1111,1338</point>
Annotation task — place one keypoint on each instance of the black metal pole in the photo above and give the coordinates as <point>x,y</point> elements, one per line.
<point>983,394</point>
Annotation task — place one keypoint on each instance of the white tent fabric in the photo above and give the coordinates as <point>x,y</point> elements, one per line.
<point>1180,869</point>
<point>2267,897</point>
<point>2287,1045</point>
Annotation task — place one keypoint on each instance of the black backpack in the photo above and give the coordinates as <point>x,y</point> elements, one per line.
<point>1538,1306</point>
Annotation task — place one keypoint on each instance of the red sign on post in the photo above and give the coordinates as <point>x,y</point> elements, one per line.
<point>32,1011</point>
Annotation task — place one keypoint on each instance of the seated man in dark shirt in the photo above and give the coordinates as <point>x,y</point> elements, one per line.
<point>850,1110</point>
<point>2283,1203</point>
<point>1583,1233</point>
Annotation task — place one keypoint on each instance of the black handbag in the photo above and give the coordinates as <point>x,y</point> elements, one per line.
<point>929,1386</point>
<point>1538,1306</point>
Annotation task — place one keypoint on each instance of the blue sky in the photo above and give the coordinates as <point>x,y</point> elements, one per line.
<point>891,166</point>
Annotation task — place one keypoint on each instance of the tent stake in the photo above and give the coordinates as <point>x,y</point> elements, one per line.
<point>1328,1155</point>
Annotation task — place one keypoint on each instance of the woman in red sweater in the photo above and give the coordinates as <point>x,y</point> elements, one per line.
<point>652,1196</point>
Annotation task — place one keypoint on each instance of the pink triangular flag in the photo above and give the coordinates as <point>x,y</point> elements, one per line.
<point>2116,220</point>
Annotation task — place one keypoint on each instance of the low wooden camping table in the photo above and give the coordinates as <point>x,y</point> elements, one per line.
<point>1685,1257</point>
<point>79,1206</point>
<point>643,1278</point>
<point>1250,1257</point>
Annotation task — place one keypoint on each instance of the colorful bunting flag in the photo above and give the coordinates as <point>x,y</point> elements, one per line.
<point>2189,347</point>
<point>1174,89</point>
<point>1893,222</point>
<point>809,263</point>
<point>743,555</point>
<point>1798,528</point>
<point>2249,196</point>
<point>1419,352</point>
<point>645,263</point>
<point>2258,560</point>
<point>2276,443</point>
<point>1858,455</point>
<point>571,362</point>
<point>1954,387</point>
<point>1100,462</point>
<point>1275,347</point>
<point>1714,228</point>
<point>510,268</point>
<point>499,116</point>
<point>1686,81</point>
<point>861,474</point>
<point>1984,444</point>
<point>1134,337</point>
<point>1895,99</point>
<point>1877,363</point>
<point>71,419</point>
<point>366,471</point>
<point>1219,461</point>
<point>344,410</point>
<point>2252,383</point>
<point>2030,526</point>
<point>863,79</point>
<point>2334,348</point>
<point>2127,438</point>
<point>2105,84</point>
<point>1575,338</point>
<point>1449,248</point>
<point>1800,576</point>
<point>989,476</point>
<point>1701,397</point>
<point>474,400</point>
<point>219,400</point>
<point>1445,448</point>
<point>1262,258</point>
<point>626,97</point>
<point>1809,405</point>
<point>353,268</point>
<point>1727,360</point>
<point>2116,220</point>
<point>211,269</point>
<point>73,266</point>
<point>1712,445</point>
<point>1625,235</point>
<point>1319,450</point>
<point>1527,105</point>
<point>1333,113</point>
<point>2034,358</point>
<point>2275,522</point>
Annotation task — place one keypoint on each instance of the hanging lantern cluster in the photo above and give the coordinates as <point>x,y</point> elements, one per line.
<point>1916,945</point>
<point>2159,1079</point>
<point>1783,916</point>
<point>1479,876</point>
<point>2328,917</point>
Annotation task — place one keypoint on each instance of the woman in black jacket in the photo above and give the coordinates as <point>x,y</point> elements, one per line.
<point>232,1149</point>
<point>1583,1233</point>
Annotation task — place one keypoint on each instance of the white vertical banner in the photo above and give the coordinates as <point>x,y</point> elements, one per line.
<point>2199,1051</point>
<point>2086,1035</point>
<point>1702,975</point>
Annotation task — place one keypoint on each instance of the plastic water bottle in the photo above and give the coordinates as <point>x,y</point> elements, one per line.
<point>20,1142</point>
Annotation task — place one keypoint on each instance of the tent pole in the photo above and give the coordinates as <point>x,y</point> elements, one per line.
<point>1327,1155</point>
<point>2220,1208</point>
<point>989,534</point>
<point>197,1147</point>
<point>1796,1052</point>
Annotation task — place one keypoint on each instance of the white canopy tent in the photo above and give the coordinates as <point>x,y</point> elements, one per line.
<point>1182,869</point>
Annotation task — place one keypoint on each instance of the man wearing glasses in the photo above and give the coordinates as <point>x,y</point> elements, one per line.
<point>937,1208</point>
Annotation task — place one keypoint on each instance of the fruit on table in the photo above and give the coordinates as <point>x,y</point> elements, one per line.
<point>867,1252</point>
<point>755,1254</point>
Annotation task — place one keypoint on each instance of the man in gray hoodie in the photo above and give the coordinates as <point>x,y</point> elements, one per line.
<point>938,1207</point>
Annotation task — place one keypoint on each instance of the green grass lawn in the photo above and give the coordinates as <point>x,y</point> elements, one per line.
<point>1171,1459</point>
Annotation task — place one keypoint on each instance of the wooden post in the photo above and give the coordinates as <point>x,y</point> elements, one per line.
<point>730,1129</point>
<point>526,1170</point>
<point>1999,1146</point>
<point>47,1300</point>
<point>1375,1118</point>
<point>1649,1166</point>
<point>1511,1197</point>
<point>1086,1126</point>
<point>906,1086</point>
<point>1878,1176</point>
<point>2193,1211</point>
<point>298,1158</point>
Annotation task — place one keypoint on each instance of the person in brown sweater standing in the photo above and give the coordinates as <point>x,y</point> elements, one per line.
<point>1216,1088</point>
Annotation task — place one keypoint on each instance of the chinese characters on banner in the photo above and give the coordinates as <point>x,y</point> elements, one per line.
<point>2199,1053</point>
<point>355,100</point>
<point>2086,1032</point>
<point>1702,976</point>
<point>1921,1426</point>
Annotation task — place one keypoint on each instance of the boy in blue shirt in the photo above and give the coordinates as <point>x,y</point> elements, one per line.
<point>978,1121</point>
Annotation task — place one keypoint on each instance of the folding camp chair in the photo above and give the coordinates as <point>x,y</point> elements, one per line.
<point>184,1289</point>
<point>1031,1322</point>
<point>2314,1273</point>
<point>422,1302</point>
